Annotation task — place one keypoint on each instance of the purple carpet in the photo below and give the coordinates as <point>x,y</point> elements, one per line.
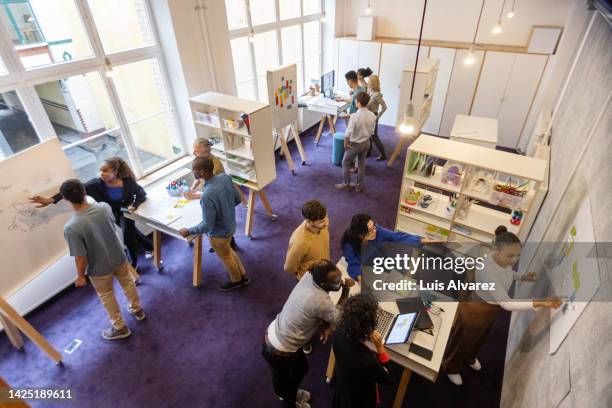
<point>201,348</point>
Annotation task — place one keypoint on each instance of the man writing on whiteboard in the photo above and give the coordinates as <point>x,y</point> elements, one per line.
<point>93,241</point>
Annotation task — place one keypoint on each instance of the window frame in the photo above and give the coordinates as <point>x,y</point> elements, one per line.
<point>277,25</point>
<point>24,80</point>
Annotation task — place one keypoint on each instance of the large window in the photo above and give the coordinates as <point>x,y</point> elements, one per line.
<point>291,34</point>
<point>112,99</point>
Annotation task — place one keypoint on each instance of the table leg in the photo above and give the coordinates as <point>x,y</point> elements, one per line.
<point>318,135</point>
<point>396,152</point>
<point>30,332</point>
<point>157,248</point>
<point>12,332</point>
<point>248,226</point>
<point>266,204</point>
<point>298,142</point>
<point>401,388</point>
<point>331,366</point>
<point>330,122</point>
<point>285,149</point>
<point>197,261</point>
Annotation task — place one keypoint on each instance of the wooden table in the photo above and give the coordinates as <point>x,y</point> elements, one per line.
<point>328,107</point>
<point>166,214</point>
<point>400,354</point>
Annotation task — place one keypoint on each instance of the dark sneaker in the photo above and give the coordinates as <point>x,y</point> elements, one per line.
<point>211,249</point>
<point>381,158</point>
<point>229,285</point>
<point>245,280</point>
<point>138,314</point>
<point>307,348</point>
<point>116,334</point>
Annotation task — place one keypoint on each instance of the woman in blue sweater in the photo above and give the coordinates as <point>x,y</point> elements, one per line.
<point>364,229</point>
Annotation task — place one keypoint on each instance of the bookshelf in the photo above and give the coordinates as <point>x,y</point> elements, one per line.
<point>486,185</point>
<point>241,133</point>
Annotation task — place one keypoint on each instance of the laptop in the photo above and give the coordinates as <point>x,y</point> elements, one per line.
<point>395,328</point>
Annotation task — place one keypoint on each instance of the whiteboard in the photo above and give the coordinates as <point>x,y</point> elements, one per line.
<point>282,95</point>
<point>575,275</point>
<point>33,237</point>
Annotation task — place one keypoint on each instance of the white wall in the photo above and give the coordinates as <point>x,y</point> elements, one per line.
<point>455,20</point>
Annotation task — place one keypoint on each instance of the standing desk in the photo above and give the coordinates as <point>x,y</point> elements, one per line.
<point>328,107</point>
<point>400,354</point>
<point>160,213</point>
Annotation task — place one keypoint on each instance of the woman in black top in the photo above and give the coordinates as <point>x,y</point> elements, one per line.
<point>359,370</point>
<point>117,187</point>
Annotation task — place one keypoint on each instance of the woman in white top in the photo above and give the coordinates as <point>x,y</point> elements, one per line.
<point>476,317</point>
<point>377,105</point>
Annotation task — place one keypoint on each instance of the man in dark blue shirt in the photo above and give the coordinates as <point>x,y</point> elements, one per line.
<point>218,202</point>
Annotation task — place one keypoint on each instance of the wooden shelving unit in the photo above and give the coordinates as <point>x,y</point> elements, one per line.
<point>488,208</point>
<point>246,152</point>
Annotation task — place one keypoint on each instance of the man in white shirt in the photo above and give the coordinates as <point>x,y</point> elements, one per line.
<point>356,143</point>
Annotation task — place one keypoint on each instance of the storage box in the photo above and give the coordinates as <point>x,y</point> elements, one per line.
<point>366,28</point>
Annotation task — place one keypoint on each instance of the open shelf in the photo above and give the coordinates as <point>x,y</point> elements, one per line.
<point>242,151</point>
<point>486,220</point>
<point>434,181</point>
<point>437,207</point>
<point>426,218</point>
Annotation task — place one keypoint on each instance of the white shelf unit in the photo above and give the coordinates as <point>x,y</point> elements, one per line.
<point>246,152</point>
<point>485,213</point>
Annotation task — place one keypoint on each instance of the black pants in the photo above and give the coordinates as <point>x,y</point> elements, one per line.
<point>287,373</point>
<point>133,238</point>
<point>375,140</point>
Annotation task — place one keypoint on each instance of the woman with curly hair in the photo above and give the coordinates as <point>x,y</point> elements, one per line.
<point>359,370</point>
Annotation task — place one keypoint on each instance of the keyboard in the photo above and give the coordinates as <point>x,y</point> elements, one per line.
<point>383,321</point>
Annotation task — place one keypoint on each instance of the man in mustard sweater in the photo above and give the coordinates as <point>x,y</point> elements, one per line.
<point>310,241</point>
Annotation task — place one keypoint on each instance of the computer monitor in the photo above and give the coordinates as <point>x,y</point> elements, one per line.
<point>327,84</point>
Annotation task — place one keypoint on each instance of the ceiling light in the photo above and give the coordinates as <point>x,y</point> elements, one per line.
<point>470,59</point>
<point>368,9</point>
<point>323,17</point>
<point>510,14</point>
<point>498,28</point>
<point>108,67</point>
<point>408,125</point>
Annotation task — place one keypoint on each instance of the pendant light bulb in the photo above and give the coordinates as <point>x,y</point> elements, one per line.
<point>510,14</point>
<point>498,27</point>
<point>368,9</point>
<point>108,67</point>
<point>323,17</point>
<point>469,60</point>
<point>408,125</point>
<point>251,37</point>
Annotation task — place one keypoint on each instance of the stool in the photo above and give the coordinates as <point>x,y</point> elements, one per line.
<point>338,148</point>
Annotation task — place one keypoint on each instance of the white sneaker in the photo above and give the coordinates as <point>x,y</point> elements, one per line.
<point>148,255</point>
<point>302,405</point>
<point>475,365</point>
<point>302,396</point>
<point>455,379</point>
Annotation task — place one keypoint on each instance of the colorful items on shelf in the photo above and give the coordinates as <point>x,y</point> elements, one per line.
<point>433,232</point>
<point>176,188</point>
<point>412,197</point>
<point>480,181</point>
<point>233,123</point>
<point>451,207</point>
<point>451,173</point>
<point>516,217</point>
<point>426,201</point>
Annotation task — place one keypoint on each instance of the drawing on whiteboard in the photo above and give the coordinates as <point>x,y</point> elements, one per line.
<point>6,188</point>
<point>27,218</point>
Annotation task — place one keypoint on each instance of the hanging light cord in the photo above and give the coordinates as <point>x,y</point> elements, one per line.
<point>418,49</point>
<point>478,23</point>
<point>501,11</point>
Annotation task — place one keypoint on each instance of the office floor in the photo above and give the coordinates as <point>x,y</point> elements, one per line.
<point>201,348</point>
